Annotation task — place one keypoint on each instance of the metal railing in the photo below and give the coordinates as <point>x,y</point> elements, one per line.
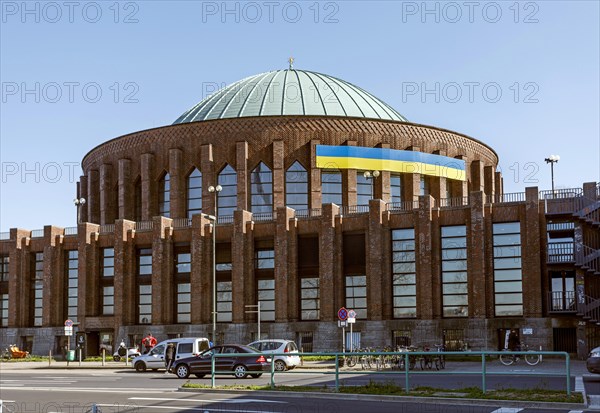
<point>354,210</point>
<point>308,213</point>
<point>70,231</point>
<point>143,226</point>
<point>107,229</point>
<point>460,201</point>
<point>4,236</point>
<point>561,252</point>
<point>402,206</point>
<point>225,219</point>
<point>588,257</point>
<point>182,222</point>
<point>561,193</point>
<point>37,233</point>
<point>406,372</point>
<point>560,226</point>
<point>264,216</point>
<point>562,301</point>
<point>505,198</point>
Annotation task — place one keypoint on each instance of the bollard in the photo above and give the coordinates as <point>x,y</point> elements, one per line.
<point>126,356</point>
<point>103,357</point>
<point>49,357</point>
<point>302,358</point>
<point>79,356</point>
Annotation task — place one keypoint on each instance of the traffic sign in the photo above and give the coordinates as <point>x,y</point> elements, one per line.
<point>342,314</point>
<point>351,320</point>
<point>342,323</point>
<point>351,314</point>
<point>68,323</point>
<point>68,330</point>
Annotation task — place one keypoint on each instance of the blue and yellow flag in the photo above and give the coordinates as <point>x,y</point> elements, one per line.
<point>393,160</point>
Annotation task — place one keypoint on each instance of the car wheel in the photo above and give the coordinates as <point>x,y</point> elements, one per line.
<point>182,371</point>
<point>240,371</point>
<point>280,365</point>
<point>200,376</point>
<point>140,367</point>
<point>256,376</point>
<point>116,358</point>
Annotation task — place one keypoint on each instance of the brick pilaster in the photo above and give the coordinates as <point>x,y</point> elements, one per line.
<point>375,259</point>
<point>149,198</point>
<point>329,252</point>
<point>282,281</point>
<point>423,231</point>
<point>476,253</point>
<point>532,253</point>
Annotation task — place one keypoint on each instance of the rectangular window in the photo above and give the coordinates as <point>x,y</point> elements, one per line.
<point>356,295</point>
<point>266,296</point>
<point>108,300</point>
<point>455,301</point>
<point>224,301</point>
<point>309,299</point>
<point>305,341</point>
<point>107,265</point>
<point>364,189</point>
<point>423,185</point>
<point>4,261</point>
<point>183,293</point>
<point>145,304</point>
<point>184,303</point>
<point>396,187</point>
<point>265,259</point>
<point>144,261</point>
<point>401,338</point>
<point>331,188</point>
<point>404,273</point>
<point>37,286</point>
<point>4,310</point>
<point>454,340</point>
<point>296,187</point>
<point>72,283</point>
<point>508,276</point>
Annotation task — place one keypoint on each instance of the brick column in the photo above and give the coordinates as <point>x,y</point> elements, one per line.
<point>82,192</point>
<point>349,193</point>
<point>477,179</point>
<point>423,234</point>
<point>381,189</point>
<point>126,190</point>
<point>476,261</point>
<point>489,174</point>
<point>532,270</point>
<point>201,273</point>
<point>162,269</point>
<point>282,281</point>
<point>329,252</point>
<point>53,285</point>
<point>178,187</point>
<point>314,177</point>
<point>375,260</point>
<point>106,194</point>
<point>241,168</point>
<point>88,295</point>
<point>240,277</point>
<point>149,197</point>
<point>124,280</point>
<point>17,279</point>
<point>438,185</point>
<point>278,175</point>
<point>498,183</point>
<point>292,267</point>
<point>460,189</point>
<point>93,197</point>
<point>209,178</point>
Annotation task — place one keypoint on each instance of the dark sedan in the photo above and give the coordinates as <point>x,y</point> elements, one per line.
<point>240,366</point>
<point>593,361</point>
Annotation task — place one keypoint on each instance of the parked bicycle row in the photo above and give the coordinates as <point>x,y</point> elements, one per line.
<point>397,361</point>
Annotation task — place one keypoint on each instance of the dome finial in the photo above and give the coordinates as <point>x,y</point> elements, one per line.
<point>291,62</point>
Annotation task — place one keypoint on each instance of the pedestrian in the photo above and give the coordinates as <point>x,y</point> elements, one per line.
<point>149,342</point>
<point>169,357</point>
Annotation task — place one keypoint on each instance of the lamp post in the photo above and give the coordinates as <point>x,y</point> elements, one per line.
<point>78,202</point>
<point>371,175</point>
<point>552,159</point>
<point>214,190</point>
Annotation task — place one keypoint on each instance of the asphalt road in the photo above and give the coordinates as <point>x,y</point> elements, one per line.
<point>74,391</point>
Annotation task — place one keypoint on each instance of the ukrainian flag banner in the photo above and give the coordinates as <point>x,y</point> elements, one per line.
<point>393,160</point>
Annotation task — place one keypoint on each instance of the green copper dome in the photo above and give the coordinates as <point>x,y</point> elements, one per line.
<point>290,92</point>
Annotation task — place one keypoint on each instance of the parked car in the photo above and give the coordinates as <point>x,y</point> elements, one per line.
<point>282,362</point>
<point>185,347</point>
<point>240,366</point>
<point>593,361</point>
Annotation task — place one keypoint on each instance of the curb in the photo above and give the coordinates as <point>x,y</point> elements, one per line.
<point>414,399</point>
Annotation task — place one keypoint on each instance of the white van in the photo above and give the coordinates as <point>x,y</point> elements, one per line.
<point>185,347</point>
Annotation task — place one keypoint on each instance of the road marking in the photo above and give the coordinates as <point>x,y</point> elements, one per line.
<point>579,384</point>
<point>233,401</point>
<point>576,411</point>
<point>189,409</point>
<point>507,410</point>
<point>594,401</point>
<point>92,390</point>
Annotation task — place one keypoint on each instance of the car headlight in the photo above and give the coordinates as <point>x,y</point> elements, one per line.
<point>595,354</point>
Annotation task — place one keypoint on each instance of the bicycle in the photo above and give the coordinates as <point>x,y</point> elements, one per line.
<point>6,355</point>
<point>509,359</point>
<point>426,361</point>
<point>440,360</point>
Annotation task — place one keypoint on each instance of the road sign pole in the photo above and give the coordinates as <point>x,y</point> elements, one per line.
<point>343,339</point>
<point>351,338</point>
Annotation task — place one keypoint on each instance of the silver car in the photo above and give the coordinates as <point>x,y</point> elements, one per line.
<point>282,362</point>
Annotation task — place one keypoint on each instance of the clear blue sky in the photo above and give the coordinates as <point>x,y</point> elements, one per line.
<point>162,57</point>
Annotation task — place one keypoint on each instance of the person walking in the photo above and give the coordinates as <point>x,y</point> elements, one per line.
<point>169,356</point>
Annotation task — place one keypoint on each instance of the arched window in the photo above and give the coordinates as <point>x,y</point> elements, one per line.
<point>261,189</point>
<point>296,187</point>
<point>137,201</point>
<point>194,193</point>
<point>331,187</point>
<point>164,196</point>
<point>227,198</point>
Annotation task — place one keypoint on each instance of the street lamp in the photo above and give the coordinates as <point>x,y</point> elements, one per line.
<point>78,202</point>
<point>552,159</point>
<point>214,190</point>
<point>371,175</point>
